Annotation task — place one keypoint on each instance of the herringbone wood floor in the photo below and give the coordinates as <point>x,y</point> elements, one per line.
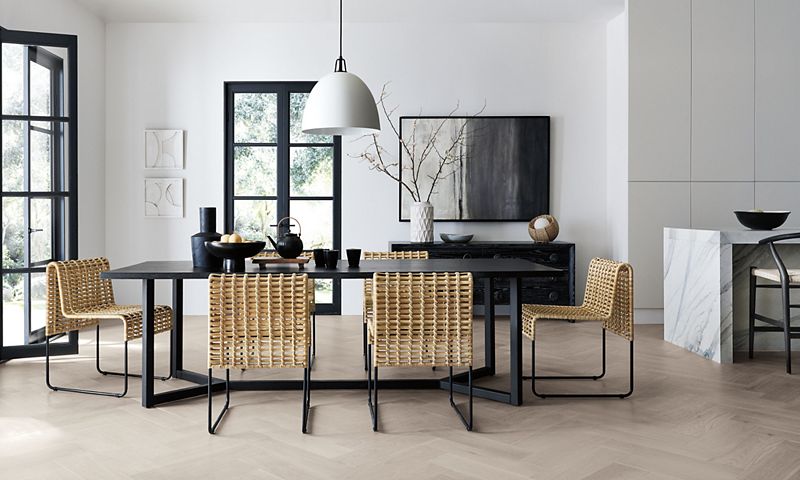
<point>688,418</point>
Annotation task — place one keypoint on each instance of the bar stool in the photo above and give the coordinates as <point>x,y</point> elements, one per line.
<point>781,278</point>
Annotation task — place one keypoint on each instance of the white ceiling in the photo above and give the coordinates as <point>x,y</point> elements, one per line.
<point>433,11</point>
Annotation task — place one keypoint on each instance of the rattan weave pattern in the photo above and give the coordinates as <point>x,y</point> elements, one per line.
<point>408,255</point>
<point>608,298</point>
<point>258,321</point>
<point>312,300</point>
<point>421,319</point>
<point>78,298</point>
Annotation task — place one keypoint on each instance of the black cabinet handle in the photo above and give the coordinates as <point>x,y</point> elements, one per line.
<point>497,255</point>
<point>467,255</point>
<point>553,296</point>
<point>553,257</point>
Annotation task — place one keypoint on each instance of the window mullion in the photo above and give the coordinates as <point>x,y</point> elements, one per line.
<point>283,154</point>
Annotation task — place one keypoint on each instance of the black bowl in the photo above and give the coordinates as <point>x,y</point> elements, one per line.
<point>761,220</point>
<point>233,254</point>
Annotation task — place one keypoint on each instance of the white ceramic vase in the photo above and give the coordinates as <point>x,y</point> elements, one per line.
<point>421,222</point>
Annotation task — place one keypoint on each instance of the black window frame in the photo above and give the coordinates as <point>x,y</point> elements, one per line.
<point>283,197</point>
<point>64,174</point>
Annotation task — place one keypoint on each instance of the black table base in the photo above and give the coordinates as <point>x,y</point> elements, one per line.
<point>151,399</point>
<point>485,270</point>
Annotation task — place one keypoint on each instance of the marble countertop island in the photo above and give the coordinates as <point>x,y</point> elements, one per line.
<point>706,275</point>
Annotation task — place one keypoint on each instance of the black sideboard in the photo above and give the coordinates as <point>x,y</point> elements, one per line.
<point>556,289</point>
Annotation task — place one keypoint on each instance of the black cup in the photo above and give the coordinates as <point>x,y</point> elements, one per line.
<point>332,259</point>
<point>319,257</point>
<point>353,257</point>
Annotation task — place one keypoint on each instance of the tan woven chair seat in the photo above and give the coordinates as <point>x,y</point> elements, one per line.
<point>78,298</point>
<point>774,275</point>
<point>607,299</point>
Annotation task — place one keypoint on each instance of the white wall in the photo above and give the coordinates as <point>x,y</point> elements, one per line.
<point>617,135</point>
<point>68,17</point>
<point>713,105</point>
<point>171,75</point>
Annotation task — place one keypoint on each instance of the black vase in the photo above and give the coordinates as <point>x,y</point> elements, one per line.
<point>201,258</point>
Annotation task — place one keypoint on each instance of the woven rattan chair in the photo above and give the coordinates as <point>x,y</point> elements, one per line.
<point>312,300</point>
<point>409,255</point>
<point>258,321</point>
<point>775,278</point>
<point>78,298</point>
<point>608,299</point>
<point>420,320</point>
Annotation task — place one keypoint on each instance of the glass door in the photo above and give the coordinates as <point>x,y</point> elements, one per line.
<point>38,181</point>
<point>274,170</point>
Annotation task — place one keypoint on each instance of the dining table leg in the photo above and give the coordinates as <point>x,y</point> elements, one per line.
<point>515,328</point>
<point>148,337</point>
<point>176,335</point>
<point>488,324</point>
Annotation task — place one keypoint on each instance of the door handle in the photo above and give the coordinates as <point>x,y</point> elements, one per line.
<point>34,230</point>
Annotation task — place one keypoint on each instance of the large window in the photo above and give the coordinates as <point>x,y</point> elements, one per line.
<point>273,170</point>
<point>39,180</point>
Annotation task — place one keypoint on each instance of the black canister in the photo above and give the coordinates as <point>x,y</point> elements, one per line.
<point>201,258</point>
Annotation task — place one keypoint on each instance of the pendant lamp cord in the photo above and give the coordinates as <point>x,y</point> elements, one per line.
<point>341,65</point>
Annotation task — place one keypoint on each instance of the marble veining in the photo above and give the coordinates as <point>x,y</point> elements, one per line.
<point>706,274</point>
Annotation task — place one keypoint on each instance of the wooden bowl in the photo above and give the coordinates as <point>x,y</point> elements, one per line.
<point>543,235</point>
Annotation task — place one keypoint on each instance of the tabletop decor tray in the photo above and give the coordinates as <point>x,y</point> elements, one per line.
<point>264,261</point>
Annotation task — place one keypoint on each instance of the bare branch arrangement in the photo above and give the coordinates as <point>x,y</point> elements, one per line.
<point>421,152</point>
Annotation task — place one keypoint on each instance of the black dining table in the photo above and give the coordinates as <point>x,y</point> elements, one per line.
<point>485,270</point>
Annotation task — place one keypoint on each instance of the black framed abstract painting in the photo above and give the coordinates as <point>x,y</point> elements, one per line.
<point>498,167</point>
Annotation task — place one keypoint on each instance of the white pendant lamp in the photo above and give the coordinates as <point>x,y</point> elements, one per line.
<point>340,103</point>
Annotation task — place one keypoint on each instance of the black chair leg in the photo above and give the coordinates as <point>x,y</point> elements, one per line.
<point>372,389</point>
<point>365,345</point>
<point>467,421</point>
<point>313,339</point>
<point>534,377</point>
<point>306,395</point>
<point>118,374</point>
<point>54,388</point>
<point>752,319</point>
<point>212,428</point>
<point>787,325</point>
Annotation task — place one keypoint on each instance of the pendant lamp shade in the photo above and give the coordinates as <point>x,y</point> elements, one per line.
<point>340,104</point>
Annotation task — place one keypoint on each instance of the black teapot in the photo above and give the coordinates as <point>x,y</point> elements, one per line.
<point>289,245</point>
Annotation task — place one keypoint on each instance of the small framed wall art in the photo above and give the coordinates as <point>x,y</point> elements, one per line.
<point>163,197</point>
<point>163,149</point>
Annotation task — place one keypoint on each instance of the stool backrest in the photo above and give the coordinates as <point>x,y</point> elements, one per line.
<point>258,321</point>
<point>609,294</point>
<point>771,241</point>
<point>422,319</point>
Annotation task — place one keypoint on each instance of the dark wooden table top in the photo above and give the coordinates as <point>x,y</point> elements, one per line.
<point>479,267</point>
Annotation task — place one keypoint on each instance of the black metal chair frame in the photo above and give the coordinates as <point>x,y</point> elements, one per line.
<point>775,325</point>
<point>533,377</point>
<point>212,427</point>
<point>124,374</point>
<point>372,390</point>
